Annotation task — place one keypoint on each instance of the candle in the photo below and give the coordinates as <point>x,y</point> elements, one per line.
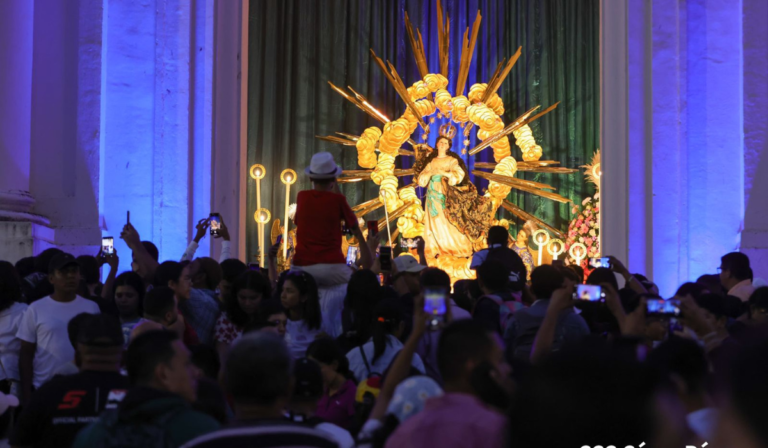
<point>288,177</point>
<point>540,237</point>
<point>555,248</point>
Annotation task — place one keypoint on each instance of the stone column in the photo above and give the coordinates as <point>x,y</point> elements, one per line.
<point>19,228</point>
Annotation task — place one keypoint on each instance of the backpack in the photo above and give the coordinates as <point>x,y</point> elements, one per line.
<point>507,309</point>
<point>145,434</point>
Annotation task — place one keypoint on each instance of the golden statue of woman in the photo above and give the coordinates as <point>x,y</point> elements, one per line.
<point>456,218</point>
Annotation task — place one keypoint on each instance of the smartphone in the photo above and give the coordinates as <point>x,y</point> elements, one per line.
<point>107,245</point>
<point>604,262</point>
<point>589,293</point>
<point>279,239</point>
<point>385,258</point>
<point>435,307</point>
<point>373,228</point>
<point>254,267</point>
<point>215,220</point>
<point>661,307</point>
<point>352,255</point>
<point>128,217</point>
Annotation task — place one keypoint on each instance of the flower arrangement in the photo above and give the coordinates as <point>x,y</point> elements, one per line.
<point>585,227</point>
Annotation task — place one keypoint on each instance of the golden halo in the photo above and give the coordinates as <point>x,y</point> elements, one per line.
<point>258,171</point>
<point>264,214</point>
<point>541,238</point>
<point>583,254</point>
<point>552,243</point>
<point>288,176</point>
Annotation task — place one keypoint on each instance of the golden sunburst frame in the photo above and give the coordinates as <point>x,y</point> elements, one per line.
<point>481,108</point>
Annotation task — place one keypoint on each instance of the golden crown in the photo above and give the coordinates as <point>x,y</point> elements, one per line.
<point>448,130</point>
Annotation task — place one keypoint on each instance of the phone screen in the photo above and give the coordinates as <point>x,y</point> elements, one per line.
<point>254,267</point>
<point>215,220</point>
<point>589,293</point>
<point>108,245</point>
<point>352,255</point>
<point>604,262</point>
<point>434,306</point>
<point>661,307</point>
<point>385,258</point>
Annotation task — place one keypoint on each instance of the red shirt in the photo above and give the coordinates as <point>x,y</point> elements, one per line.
<point>318,227</point>
<point>339,409</point>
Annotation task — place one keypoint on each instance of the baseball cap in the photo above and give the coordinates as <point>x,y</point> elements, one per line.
<point>406,263</point>
<point>60,261</point>
<point>309,379</point>
<point>101,330</point>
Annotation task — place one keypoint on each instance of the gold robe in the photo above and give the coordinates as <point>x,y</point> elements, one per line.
<point>440,236</point>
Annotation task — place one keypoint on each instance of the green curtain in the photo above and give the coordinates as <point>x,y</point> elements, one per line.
<point>297,46</point>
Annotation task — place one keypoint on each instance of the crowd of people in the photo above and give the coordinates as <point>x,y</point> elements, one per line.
<point>205,353</point>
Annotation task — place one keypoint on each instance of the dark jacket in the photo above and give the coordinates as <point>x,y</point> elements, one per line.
<point>144,404</point>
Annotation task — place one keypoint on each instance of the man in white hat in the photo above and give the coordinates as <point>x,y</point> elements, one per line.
<point>320,213</point>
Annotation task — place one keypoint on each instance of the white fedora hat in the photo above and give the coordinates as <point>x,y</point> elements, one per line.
<point>323,166</point>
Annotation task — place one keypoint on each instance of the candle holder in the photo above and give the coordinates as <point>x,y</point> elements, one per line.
<point>257,173</point>
<point>555,247</point>
<point>541,238</point>
<point>262,216</point>
<point>580,255</point>
<point>287,177</point>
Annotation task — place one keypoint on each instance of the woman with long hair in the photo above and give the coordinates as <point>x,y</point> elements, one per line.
<point>302,304</point>
<point>363,294</point>
<point>241,306</point>
<point>337,404</point>
<point>375,356</point>
<point>456,216</point>
<point>129,298</point>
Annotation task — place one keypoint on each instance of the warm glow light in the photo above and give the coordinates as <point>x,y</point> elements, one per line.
<point>288,177</point>
<point>555,248</point>
<point>258,171</point>
<point>540,237</point>
<point>578,255</point>
<point>262,216</point>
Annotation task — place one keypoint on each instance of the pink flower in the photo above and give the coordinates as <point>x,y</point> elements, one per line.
<point>584,229</point>
<point>588,241</point>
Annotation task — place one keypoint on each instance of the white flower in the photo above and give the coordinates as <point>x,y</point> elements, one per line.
<point>292,211</point>
<point>584,202</point>
<point>597,195</point>
<point>592,232</point>
<point>581,239</point>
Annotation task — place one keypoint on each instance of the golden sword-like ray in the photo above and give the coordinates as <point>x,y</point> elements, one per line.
<point>525,216</point>
<point>397,83</point>
<point>467,50</point>
<point>517,124</point>
<point>521,185</point>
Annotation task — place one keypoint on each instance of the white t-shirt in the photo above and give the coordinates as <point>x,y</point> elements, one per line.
<point>45,324</point>
<point>10,319</point>
<point>298,337</point>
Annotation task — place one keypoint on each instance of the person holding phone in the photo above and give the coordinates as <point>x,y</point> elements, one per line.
<point>473,368</point>
<point>201,228</point>
<point>522,327</point>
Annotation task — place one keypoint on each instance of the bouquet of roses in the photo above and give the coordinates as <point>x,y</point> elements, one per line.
<point>585,229</point>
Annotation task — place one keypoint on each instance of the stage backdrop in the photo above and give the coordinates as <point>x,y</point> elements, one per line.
<point>296,47</point>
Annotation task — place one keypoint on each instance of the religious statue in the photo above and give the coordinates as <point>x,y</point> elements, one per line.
<point>455,219</point>
<point>455,215</point>
<point>520,245</point>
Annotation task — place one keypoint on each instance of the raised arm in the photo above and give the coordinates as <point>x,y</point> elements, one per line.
<point>401,366</point>
<point>140,254</point>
